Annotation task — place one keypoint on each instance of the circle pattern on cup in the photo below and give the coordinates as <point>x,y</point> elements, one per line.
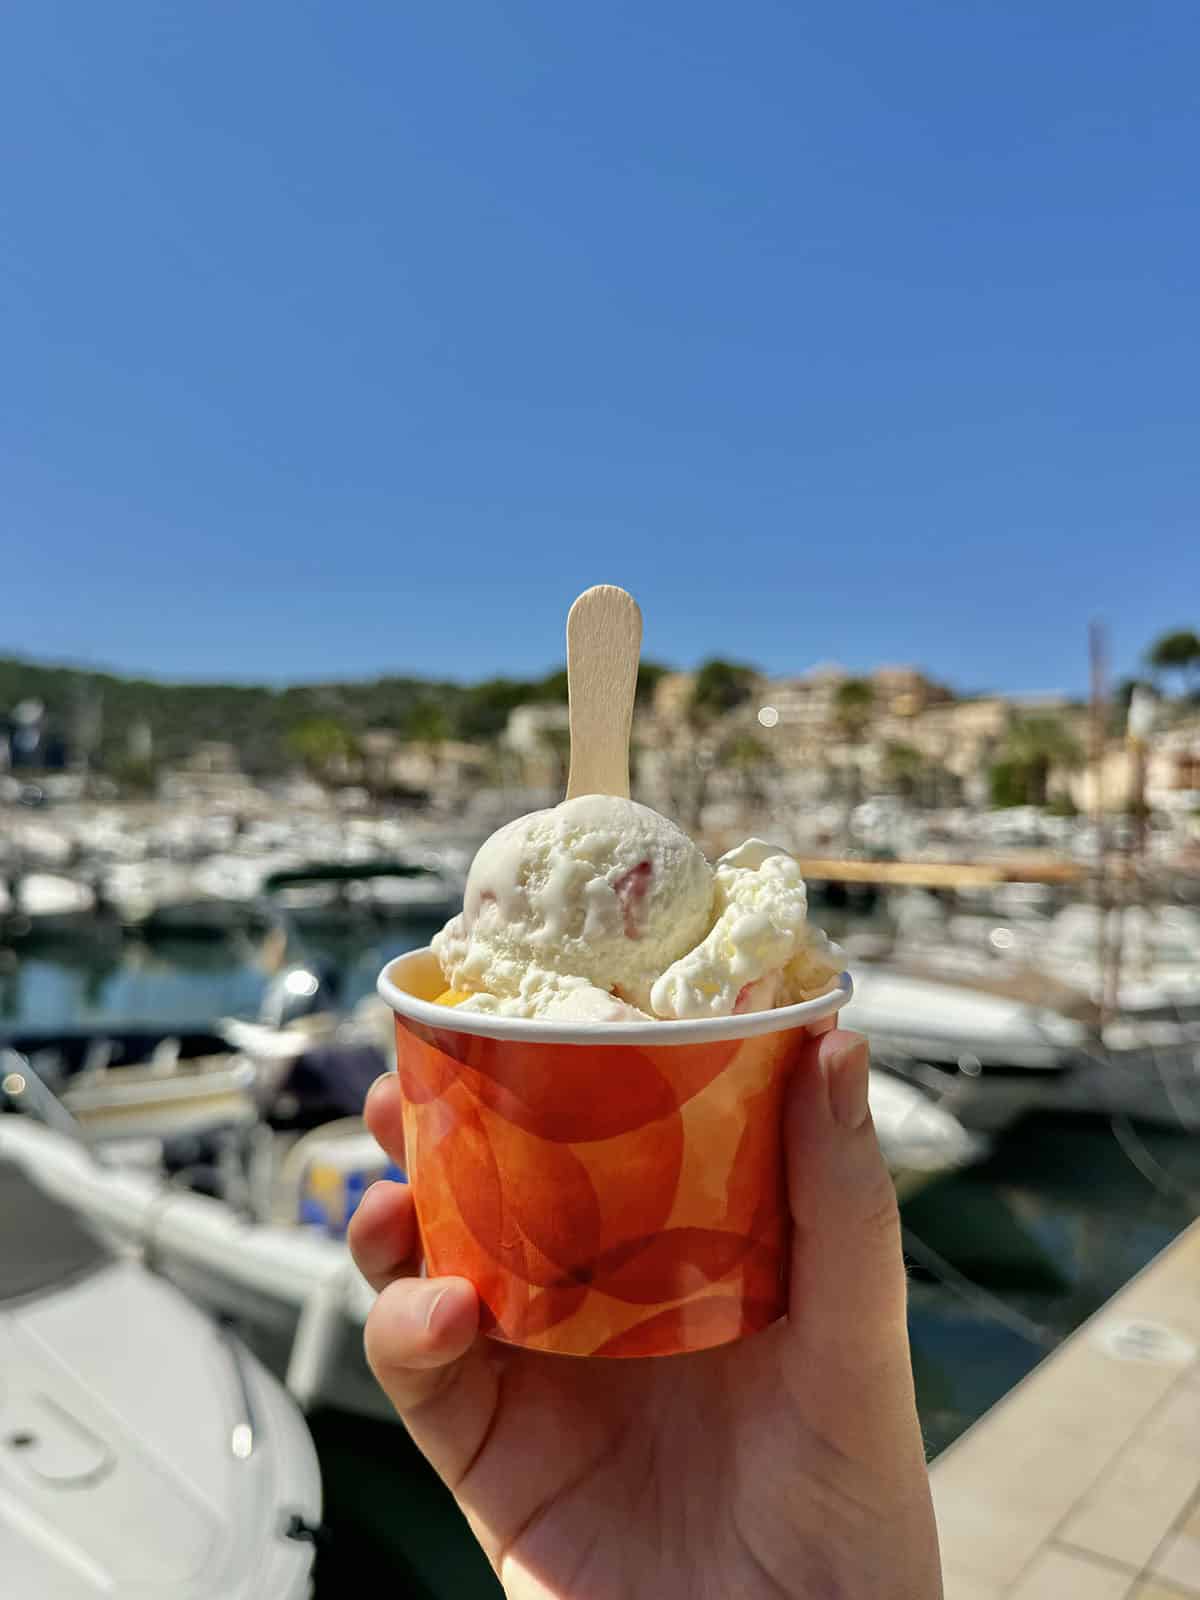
<point>604,1200</point>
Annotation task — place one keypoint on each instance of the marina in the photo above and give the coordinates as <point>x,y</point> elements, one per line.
<point>189,1026</point>
<point>555,558</point>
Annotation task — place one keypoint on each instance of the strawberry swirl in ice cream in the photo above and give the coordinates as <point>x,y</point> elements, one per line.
<point>602,910</point>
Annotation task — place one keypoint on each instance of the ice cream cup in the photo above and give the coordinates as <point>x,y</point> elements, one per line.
<point>612,1189</point>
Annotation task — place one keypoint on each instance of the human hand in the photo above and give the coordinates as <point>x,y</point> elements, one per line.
<point>787,1465</point>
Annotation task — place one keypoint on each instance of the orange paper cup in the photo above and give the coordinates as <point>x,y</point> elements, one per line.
<point>612,1189</point>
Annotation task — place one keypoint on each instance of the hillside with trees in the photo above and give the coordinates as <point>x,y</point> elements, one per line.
<point>271,729</point>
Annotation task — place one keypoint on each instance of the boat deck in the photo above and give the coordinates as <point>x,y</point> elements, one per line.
<point>1084,1482</point>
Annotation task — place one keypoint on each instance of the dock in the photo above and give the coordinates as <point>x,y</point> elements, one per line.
<point>1083,1483</point>
<point>1030,868</point>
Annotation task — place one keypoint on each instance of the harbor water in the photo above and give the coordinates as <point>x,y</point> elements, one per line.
<point>1006,1258</point>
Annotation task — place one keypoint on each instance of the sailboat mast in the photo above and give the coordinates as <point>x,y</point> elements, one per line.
<point>1098,664</point>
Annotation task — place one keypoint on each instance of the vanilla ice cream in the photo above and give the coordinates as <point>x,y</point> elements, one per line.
<point>759,944</point>
<point>601,910</point>
<point>597,888</point>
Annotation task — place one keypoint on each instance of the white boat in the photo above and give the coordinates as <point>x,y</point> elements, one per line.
<point>345,894</point>
<point>128,1146</point>
<point>164,897</point>
<point>1159,950</point>
<point>143,1450</point>
<point>294,1290</point>
<point>920,1141</point>
<point>48,905</point>
<point>162,1099</point>
<point>954,1024</point>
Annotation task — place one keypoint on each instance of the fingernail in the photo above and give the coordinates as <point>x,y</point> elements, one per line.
<point>424,1300</point>
<point>382,1078</point>
<point>848,1077</point>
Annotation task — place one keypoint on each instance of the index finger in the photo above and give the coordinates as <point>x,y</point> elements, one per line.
<point>383,1113</point>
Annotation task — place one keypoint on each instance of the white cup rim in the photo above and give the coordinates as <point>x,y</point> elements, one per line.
<point>537,1030</point>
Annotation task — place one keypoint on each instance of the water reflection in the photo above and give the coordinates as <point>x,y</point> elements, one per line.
<point>176,979</point>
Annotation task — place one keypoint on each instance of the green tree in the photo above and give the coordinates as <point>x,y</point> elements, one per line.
<point>428,726</point>
<point>1035,747</point>
<point>903,766</point>
<point>486,707</point>
<point>1006,784</point>
<point>136,775</point>
<point>553,687</point>
<point>750,760</point>
<point>721,686</point>
<point>319,743</point>
<point>1177,652</point>
<point>854,706</point>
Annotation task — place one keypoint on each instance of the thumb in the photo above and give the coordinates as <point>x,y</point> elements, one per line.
<point>844,1356</point>
<point>847,1297</point>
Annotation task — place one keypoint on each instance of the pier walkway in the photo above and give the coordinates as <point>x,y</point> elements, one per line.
<point>1084,1482</point>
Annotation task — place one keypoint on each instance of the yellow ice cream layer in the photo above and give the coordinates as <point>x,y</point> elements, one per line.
<point>451,997</point>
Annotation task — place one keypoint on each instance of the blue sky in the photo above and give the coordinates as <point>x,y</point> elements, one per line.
<point>349,339</point>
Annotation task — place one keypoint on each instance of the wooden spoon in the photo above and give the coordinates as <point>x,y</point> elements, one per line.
<point>604,637</point>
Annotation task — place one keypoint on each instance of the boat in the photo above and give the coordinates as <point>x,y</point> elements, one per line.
<point>164,1099</point>
<point>143,1448</point>
<point>158,898</point>
<point>1159,956</point>
<point>66,1056</point>
<point>187,1204</point>
<point>1065,955</point>
<point>38,907</point>
<point>133,1125</point>
<point>920,1140</point>
<point>348,894</point>
<point>950,1023</point>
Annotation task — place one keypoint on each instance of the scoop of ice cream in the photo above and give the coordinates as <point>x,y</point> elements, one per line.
<point>598,888</point>
<point>811,970</point>
<point>551,995</point>
<point>759,952</point>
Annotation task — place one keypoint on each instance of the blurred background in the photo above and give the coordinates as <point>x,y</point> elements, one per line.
<point>342,349</point>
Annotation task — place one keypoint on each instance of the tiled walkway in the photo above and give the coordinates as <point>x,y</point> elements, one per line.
<point>1084,1482</point>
